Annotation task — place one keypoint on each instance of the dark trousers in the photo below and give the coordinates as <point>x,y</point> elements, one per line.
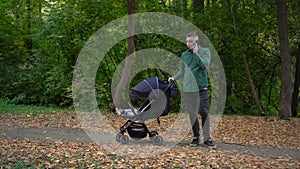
<point>198,101</point>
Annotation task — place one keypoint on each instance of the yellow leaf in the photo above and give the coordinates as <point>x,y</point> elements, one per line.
<point>100,153</point>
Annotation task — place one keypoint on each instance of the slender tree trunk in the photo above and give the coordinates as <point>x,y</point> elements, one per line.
<point>17,14</point>
<point>185,9</point>
<point>122,86</point>
<point>108,72</point>
<point>212,2</point>
<point>296,85</point>
<point>295,99</point>
<point>286,82</point>
<point>198,10</point>
<point>271,85</point>
<point>29,40</point>
<point>40,9</point>
<point>245,62</point>
<point>198,6</point>
<point>164,5</point>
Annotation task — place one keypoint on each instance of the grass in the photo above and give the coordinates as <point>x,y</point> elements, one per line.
<point>8,108</point>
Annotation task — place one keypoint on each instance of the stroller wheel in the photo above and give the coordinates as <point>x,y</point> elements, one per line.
<point>153,134</point>
<point>157,140</point>
<point>124,139</point>
<point>118,137</point>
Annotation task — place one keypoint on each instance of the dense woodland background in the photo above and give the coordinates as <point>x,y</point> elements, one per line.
<point>258,42</point>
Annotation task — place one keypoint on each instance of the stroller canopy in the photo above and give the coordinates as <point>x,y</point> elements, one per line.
<point>145,87</point>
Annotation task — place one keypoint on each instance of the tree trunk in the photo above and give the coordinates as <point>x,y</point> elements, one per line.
<point>271,85</point>
<point>40,9</point>
<point>296,85</point>
<point>185,9</point>
<point>17,14</point>
<point>198,10</point>
<point>286,83</point>
<point>123,83</point>
<point>29,40</point>
<point>245,62</point>
<point>198,6</point>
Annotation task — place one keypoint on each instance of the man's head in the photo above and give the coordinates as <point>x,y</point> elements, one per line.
<point>191,40</point>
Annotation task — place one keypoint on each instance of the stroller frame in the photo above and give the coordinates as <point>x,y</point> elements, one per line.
<point>136,128</point>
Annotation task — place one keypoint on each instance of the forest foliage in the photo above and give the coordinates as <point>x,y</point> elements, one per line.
<point>40,41</point>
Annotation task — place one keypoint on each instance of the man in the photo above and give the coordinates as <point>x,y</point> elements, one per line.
<point>194,69</point>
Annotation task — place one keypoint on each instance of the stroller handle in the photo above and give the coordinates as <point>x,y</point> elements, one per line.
<point>174,89</point>
<point>171,81</point>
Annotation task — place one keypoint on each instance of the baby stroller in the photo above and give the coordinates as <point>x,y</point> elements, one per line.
<point>157,93</point>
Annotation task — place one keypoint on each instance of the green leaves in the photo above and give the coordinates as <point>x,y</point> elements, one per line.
<point>60,29</point>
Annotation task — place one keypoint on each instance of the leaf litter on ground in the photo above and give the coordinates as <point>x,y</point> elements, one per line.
<point>244,130</point>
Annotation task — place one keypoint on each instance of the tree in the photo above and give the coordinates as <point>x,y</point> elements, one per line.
<point>198,9</point>
<point>40,41</point>
<point>286,82</point>
<point>296,84</point>
<point>294,29</point>
<point>198,6</point>
<point>245,62</point>
<point>123,83</point>
<point>29,40</point>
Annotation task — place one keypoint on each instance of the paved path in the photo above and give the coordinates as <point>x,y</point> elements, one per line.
<point>78,135</point>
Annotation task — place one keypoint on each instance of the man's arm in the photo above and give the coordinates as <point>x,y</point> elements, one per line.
<point>179,74</point>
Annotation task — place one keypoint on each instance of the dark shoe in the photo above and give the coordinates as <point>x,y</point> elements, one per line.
<point>208,143</point>
<point>195,142</point>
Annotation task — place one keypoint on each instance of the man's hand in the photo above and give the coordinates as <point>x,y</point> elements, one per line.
<point>170,79</point>
<point>195,48</point>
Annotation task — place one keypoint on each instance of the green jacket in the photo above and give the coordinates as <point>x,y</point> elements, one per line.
<point>194,69</point>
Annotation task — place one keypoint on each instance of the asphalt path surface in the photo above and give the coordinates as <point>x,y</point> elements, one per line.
<point>79,135</point>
